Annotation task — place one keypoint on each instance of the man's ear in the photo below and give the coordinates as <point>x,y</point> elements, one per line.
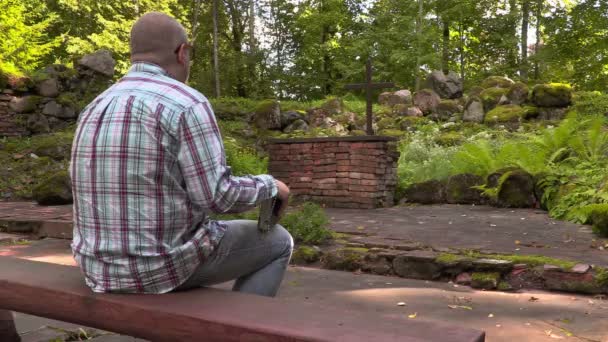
<point>181,54</point>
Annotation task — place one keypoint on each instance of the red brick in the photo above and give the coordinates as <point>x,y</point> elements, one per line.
<point>342,162</point>
<point>335,193</point>
<point>319,175</point>
<point>369,182</point>
<point>325,181</point>
<point>368,176</point>
<point>362,188</point>
<point>326,168</point>
<point>327,186</point>
<point>342,156</point>
<point>342,174</point>
<point>343,168</point>
<point>345,181</point>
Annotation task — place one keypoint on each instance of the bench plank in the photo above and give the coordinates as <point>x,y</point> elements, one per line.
<point>58,292</point>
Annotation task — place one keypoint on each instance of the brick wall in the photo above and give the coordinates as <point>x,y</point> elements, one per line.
<point>344,172</point>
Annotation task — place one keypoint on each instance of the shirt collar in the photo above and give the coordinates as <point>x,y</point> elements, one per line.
<point>149,68</point>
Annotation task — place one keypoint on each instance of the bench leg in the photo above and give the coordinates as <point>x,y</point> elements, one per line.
<point>8,332</point>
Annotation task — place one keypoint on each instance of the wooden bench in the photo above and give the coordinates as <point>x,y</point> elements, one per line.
<point>58,292</point>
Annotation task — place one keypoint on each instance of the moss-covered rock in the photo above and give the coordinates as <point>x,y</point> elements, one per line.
<point>460,189</point>
<point>497,82</point>
<point>54,190</point>
<point>25,104</point>
<point>449,139</point>
<point>391,133</point>
<point>552,95</point>
<point>412,122</point>
<point>475,91</point>
<point>305,255</point>
<point>448,108</point>
<point>485,280</point>
<point>344,259</point>
<point>268,115</point>
<point>518,93</point>
<point>387,123</point>
<point>333,106</point>
<point>505,114</point>
<point>474,110</point>
<point>530,112</point>
<point>491,97</point>
<point>597,215</point>
<point>427,101</point>
<point>429,192</point>
<point>68,99</point>
<point>552,113</point>
<point>516,190</point>
<point>37,124</point>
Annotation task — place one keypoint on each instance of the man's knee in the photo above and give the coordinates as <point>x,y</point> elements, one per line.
<point>284,236</point>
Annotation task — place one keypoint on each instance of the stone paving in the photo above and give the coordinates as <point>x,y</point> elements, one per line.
<point>517,231</point>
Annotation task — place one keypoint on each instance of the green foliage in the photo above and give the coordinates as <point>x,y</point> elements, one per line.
<point>243,160</point>
<point>590,103</point>
<point>597,215</point>
<point>309,224</point>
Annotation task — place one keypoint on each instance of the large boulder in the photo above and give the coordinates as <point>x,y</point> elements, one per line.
<point>505,114</point>
<point>446,109</point>
<point>429,192</point>
<point>268,115</point>
<point>52,108</point>
<point>446,86</point>
<point>287,118</point>
<point>391,99</point>
<point>553,114</point>
<point>100,61</point>
<point>460,189</point>
<point>473,110</point>
<point>298,125</point>
<point>54,190</point>
<point>427,101</point>
<point>405,110</point>
<point>491,97</point>
<point>26,104</point>
<point>497,82</point>
<point>331,124</point>
<point>417,265</point>
<point>333,106</point>
<point>516,190</point>
<point>518,93</point>
<point>37,124</point>
<point>48,88</point>
<point>552,95</point>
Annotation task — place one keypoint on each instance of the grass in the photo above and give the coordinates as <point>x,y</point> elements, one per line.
<point>530,260</point>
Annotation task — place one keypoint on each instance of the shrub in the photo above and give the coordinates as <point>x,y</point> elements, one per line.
<point>309,224</point>
<point>242,160</point>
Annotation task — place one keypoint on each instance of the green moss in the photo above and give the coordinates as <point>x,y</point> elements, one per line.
<point>358,132</point>
<point>485,280</point>
<point>532,260</point>
<point>69,100</point>
<point>449,139</point>
<point>601,276</point>
<point>392,133</point>
<point>343,259</point>
<point>387,124</point>
<point>506,113</point>
<point>54,190</point>
<point>491,96</point>
<point>484,276</point>
<point>530,112</point>
<point>504,286</point>
<point>552,95</point>
<point>305,255</point>
<point>496,82</point>
<point>452,106</point>
<point>475,91</point>
<point>357,249</point>
<point>449,258</point>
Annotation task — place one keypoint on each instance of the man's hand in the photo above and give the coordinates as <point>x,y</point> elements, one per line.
<point>283,196</point>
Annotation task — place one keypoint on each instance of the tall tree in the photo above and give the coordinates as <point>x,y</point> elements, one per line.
<point>523,64</point>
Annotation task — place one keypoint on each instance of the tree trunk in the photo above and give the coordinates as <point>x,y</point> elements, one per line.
<point>512,49</point>
<point>418,44</point>
<point>461,52</point>
<point>539,11</point>
<point>523,66</point>
<point>195,19</point>
<point>252,45</point>
<point>216,62</point>
<point>445,56</point>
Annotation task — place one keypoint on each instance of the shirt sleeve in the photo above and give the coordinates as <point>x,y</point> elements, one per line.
<point>202,162</point>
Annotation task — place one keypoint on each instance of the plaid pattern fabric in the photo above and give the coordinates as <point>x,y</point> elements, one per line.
<point>148,166</point>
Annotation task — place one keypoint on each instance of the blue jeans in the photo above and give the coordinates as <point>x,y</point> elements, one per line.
<point>256,260</point>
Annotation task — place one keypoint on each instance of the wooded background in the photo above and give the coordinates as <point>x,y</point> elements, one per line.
<point>308,49</point>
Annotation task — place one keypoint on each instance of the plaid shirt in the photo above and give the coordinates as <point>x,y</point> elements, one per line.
<point>148,166</point>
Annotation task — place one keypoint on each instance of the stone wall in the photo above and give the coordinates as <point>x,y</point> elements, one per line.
<point>51,98</point>
<point>344,172</point>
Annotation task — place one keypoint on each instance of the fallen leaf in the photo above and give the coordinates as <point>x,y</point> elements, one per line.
<point>533,299</point>
<point>498,325</point>
<point>360,228</point>
<point>412,316</point>
<point>401,304</point>
<point>460,307</point>
<point>491,315</point>
<point>517,242</point>
<point>492,225</point>
<point>18,156</point>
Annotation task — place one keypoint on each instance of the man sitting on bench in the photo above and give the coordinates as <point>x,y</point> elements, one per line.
<point>148,167</point>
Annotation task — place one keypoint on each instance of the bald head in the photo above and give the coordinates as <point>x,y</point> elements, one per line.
<point>154,38</point>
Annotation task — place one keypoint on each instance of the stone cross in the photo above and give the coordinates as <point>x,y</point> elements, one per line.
<point>369,86</point>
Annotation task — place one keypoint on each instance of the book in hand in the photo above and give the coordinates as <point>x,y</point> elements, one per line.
<point>269,214</point>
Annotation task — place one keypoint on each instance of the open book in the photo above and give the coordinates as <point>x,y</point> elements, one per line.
<point>269,213</point>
